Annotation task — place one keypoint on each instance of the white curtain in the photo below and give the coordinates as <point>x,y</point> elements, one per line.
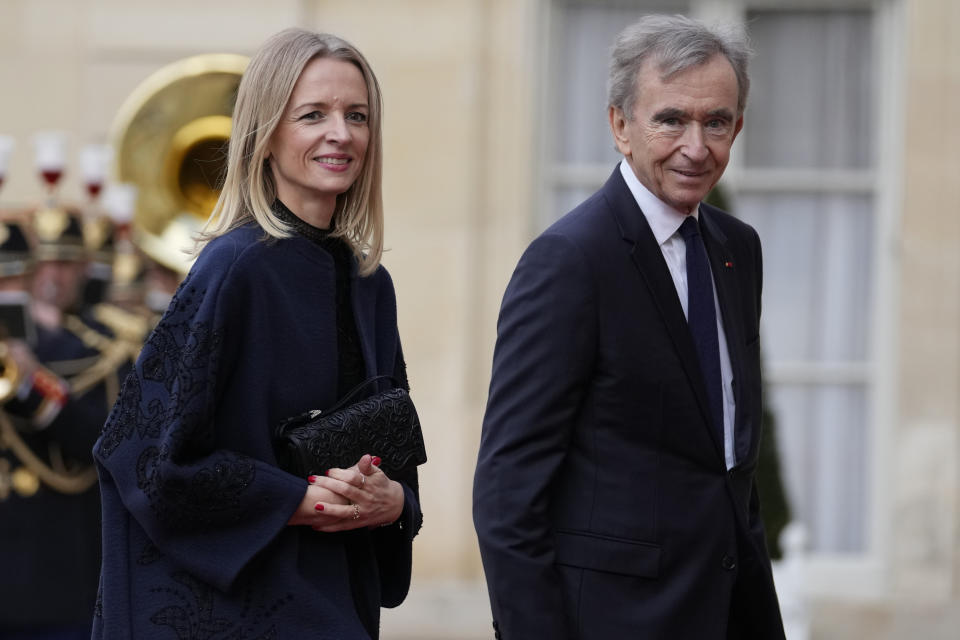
<point>811,97</point>
<point>811,108</point>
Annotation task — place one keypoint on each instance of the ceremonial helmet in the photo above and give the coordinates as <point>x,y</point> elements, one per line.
<point>58,234</point>
<point>15,257</point>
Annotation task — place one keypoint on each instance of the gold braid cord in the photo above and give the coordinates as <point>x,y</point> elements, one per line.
<point>56,475</point>
<point>68,482</point>
<point>129,328</point>
<point>115,353</point>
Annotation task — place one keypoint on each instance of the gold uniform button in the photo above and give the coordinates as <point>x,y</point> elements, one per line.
<point>25,482</point>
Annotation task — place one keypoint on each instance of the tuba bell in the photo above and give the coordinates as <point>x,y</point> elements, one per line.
<point>169,138</point>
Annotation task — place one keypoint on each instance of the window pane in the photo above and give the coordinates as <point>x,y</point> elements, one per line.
<point>811,95</point>
<point>823,442</point>
<point>581,59</point>
<point>817,252</point>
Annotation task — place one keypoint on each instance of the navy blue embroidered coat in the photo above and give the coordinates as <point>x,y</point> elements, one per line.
<point>196,543</point>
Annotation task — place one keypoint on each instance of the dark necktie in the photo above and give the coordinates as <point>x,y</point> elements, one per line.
<point>702,318</point>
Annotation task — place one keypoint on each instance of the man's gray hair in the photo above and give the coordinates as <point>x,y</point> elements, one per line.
<point>674,44</point>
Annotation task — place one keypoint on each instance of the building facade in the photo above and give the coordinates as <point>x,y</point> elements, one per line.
<point>495,125</point>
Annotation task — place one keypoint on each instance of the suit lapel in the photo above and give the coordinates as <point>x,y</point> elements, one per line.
<point>648,258</point>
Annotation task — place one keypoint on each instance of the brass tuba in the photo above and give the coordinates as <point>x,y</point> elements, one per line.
<point>170,141</point>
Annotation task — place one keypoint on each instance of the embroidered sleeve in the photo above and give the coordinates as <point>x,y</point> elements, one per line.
<point>210,509</point>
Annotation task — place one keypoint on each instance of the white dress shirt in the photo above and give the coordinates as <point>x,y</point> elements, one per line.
<point>665,223</point>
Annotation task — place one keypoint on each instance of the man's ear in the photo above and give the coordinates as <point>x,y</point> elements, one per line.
<point>737,127</point>
<point>618,126</point>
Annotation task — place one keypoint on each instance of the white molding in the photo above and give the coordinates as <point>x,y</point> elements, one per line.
<point>889,44</point>
<point>816,373</point>
<point>806,5</point>
<point>550,20</point>
<point>713,12</point>
<point>849,181</point>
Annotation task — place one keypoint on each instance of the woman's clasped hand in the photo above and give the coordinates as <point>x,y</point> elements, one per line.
<point>344,499</point>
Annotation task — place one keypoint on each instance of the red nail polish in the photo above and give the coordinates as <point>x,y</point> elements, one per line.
<point>327,472</point>
<point>318,507</point>
<point>312,479</point>
<point>376,461</point>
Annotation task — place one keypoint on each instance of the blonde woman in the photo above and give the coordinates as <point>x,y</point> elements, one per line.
<point>286,309</point>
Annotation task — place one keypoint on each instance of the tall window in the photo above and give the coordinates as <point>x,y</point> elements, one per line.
<point>804,174</point>
<point>807,187</point>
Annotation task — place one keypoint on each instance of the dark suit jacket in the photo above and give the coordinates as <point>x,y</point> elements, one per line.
<point>602,501</point>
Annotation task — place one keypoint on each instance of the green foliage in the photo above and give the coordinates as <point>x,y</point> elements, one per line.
<point>774,507</point>
<point>718,198</point>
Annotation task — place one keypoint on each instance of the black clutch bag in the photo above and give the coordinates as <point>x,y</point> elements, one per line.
<point>384,424</point>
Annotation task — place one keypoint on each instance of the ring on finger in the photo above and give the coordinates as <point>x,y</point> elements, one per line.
<point>356,511</point>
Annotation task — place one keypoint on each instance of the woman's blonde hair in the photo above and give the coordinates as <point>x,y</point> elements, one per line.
<point>248,188</point>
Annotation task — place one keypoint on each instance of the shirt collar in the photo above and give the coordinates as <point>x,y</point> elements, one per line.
<point>663,219</point>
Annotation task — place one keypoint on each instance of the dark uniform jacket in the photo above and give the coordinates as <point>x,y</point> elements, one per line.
<point>50,540</point>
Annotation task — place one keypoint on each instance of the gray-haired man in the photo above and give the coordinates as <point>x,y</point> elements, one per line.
<point>614,494</point>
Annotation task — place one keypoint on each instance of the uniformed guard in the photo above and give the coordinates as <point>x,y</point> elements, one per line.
<point>124,309</point>
<point>60,277</point>
<point>98,240</point>
<point>60,378</point>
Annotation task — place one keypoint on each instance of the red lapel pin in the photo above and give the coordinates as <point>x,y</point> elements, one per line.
<point>728,264</point>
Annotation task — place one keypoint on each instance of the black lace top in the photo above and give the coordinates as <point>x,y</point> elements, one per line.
<point>350,366</point>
